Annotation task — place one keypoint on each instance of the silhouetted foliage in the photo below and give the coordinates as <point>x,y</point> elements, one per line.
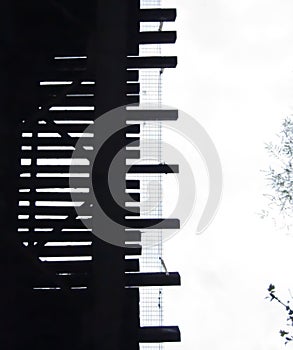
<point>279,176</point>
<point>286,334</point>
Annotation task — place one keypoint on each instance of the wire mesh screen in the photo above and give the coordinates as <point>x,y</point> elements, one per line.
<point>151,298</point>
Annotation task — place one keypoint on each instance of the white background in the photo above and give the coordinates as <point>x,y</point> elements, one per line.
<point>234,74</point>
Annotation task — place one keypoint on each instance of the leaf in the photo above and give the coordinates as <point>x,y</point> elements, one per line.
<point>271,288</point>
<point>283,333</point>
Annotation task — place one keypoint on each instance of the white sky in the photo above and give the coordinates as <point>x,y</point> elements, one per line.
<point>235,63</point>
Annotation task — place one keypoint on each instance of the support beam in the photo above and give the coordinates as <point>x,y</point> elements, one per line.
<point>153,279</point>
<point>133,184</point>
<point>152,62</point>
<point>145,114</point>
<point>133,236</point>
<point>159,334</point>
<point>157,15</point>
<point>153,169</point>
<point>153,223</point>
<point>159,37</point>
<point>133,249</point>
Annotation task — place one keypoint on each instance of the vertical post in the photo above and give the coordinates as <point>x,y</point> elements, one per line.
<point>108,54</point>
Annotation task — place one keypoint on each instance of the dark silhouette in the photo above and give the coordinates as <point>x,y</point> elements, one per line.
<point>68,304</point>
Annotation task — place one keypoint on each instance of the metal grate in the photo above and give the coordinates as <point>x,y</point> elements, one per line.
<point>151,298</point>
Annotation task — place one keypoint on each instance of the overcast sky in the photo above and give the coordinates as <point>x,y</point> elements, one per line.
<point>234,74</point>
